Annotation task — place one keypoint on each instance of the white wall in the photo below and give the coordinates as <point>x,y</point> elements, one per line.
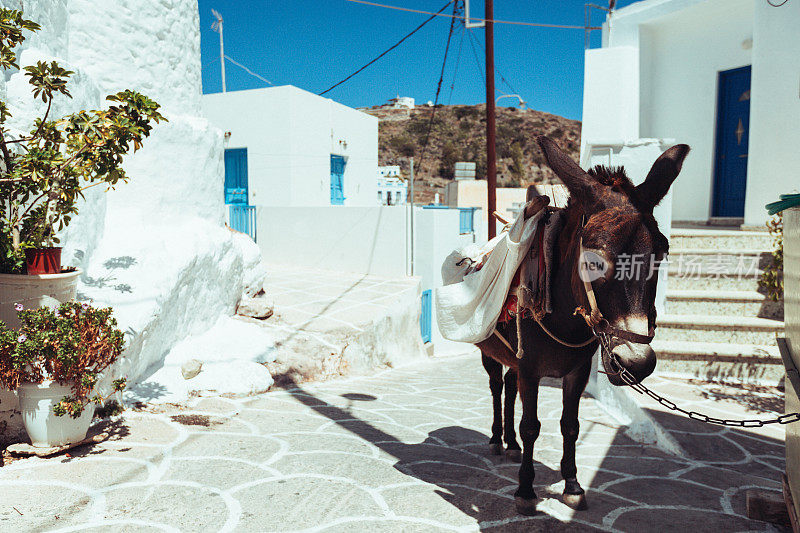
<point>290,135</point>
<point>774,162</point>
<point>610,96</point>
<point>681,57</point>
<point>367,240</point>
<point>155,249</point>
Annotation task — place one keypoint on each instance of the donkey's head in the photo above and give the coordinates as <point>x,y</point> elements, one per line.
<point>615,220</point>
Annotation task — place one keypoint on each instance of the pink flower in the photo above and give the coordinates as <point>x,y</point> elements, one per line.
<point>85,306</point>
<point>19,307</point>
<point>22,338</point>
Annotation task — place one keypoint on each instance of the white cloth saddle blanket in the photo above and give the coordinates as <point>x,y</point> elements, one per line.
<point>470,302</point>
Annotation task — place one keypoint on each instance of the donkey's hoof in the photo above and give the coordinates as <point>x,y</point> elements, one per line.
<point>576,501</point>
<point>525,506</point>
<point>496,448</point>
<point>514,455</point>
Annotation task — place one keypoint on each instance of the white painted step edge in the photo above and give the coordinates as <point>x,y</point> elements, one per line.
<point>721,322</point>
<point>711,296</point>
<point>715,348</point>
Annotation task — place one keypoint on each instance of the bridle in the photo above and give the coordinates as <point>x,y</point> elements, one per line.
<point>600,328</point>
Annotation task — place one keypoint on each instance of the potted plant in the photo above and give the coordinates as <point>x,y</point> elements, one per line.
<point>44,172</point>
<point>54,361</point>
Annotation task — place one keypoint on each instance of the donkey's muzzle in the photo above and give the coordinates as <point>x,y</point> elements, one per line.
<point>639,360</point>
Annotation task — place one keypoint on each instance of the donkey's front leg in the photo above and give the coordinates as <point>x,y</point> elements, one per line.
<point>495,371</point>
<point>529,427</point>
<point>572,387</point>
<point>513,451</point>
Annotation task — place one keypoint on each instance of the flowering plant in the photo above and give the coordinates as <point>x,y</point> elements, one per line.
<point>71,345</point>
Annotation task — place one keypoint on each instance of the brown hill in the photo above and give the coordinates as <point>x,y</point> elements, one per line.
<point>459,134</point>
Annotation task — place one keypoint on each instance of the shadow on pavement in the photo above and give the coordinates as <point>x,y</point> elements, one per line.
<point>630,487</point>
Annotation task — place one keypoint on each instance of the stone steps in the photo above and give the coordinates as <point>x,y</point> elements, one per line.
<point>719,328</point>
<point>711,258</point>
<point>731,303</point>
<point>699,238</point>
<point>716,361</point>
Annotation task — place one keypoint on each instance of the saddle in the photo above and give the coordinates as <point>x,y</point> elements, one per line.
<point>529,295</point>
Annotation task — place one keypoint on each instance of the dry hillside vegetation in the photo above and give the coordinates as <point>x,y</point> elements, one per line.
<point>459,134</point>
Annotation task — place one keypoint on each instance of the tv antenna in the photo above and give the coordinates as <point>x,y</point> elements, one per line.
<point>217,27</point>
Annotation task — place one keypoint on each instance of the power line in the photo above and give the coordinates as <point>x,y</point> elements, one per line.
<point>398,43</point>
<point>475,55</point>
<point>455,70</point>
<point>262,78</point>
<point>513,90</point>
<point>496,21</point>
<point>438,87</point>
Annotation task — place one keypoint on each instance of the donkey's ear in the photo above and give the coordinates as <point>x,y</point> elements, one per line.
<point>579,184</point>
<point>664,171</point>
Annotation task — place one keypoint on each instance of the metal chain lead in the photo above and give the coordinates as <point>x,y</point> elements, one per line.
<point>629,380</point>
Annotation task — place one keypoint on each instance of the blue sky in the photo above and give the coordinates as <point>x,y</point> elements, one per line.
<point>314,43</point>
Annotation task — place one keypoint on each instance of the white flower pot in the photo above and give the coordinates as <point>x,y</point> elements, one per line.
<point>30,291</point>
<point>44,428</point>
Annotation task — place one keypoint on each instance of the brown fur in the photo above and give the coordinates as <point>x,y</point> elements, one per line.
<point>613,217</point>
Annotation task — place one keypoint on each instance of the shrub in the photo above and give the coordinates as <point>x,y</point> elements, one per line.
<point>72,344</point>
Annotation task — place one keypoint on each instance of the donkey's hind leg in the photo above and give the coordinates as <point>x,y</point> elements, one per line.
<point>513,451</point>
<point>572,387</point>
<point>529,427</point>
<point>495,371</point>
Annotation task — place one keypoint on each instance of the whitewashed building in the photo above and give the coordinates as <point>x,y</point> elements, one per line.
<point>288,147</point>
<point>719,75</point>
<point>392,189</point>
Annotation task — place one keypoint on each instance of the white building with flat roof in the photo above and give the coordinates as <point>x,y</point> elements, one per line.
<point>719,75</point>
<point>288,147</point>
<point>392,189</point>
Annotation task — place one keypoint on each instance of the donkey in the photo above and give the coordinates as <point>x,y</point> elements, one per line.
<point>610,218</point>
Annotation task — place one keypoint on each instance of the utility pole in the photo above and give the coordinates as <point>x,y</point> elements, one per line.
<point>491,154</point>
<point>411,222</point>
<point>217,27</point>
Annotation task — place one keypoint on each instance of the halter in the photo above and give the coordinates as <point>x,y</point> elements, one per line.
<point>594,318</point>
<point>600,327</point>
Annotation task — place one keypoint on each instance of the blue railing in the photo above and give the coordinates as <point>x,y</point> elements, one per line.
<point>243,219</point>
<point>425,317</point>
<point>466,220</point>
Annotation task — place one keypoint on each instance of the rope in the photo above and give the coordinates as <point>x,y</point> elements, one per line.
<point>398,43</point>
<point>591,339</point>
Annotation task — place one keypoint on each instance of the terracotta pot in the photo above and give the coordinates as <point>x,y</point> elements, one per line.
<point>43,261</point>
<point>34,292</point>
<point>44,428</point>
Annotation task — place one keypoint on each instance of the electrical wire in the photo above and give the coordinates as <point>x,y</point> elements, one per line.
<point>398,43</point>
<point>475,55</point>
<point>499,74</point>
<point>438,87</point>
<point>496,21</point>
<point>771,2</point>
<point>455,70</point>
<point>262,78</point>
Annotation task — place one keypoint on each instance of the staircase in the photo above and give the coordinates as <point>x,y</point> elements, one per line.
<point>718,326</point>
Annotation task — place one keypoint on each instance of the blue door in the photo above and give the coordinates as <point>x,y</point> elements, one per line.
<point>337,179</point>
<point>236,176</point>
<point>425,317</point>
<point>733,126</point>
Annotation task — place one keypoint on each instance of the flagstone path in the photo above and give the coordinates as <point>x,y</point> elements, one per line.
<point>404,450</point>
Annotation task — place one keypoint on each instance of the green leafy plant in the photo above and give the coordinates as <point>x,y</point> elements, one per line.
<point>44,173</point>
<point>772,278</point>
<point>71,345</point>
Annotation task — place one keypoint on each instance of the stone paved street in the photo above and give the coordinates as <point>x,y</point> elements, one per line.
<point>404,450</point>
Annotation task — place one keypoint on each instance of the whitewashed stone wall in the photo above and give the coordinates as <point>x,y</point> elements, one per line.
<point>156,248</point>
